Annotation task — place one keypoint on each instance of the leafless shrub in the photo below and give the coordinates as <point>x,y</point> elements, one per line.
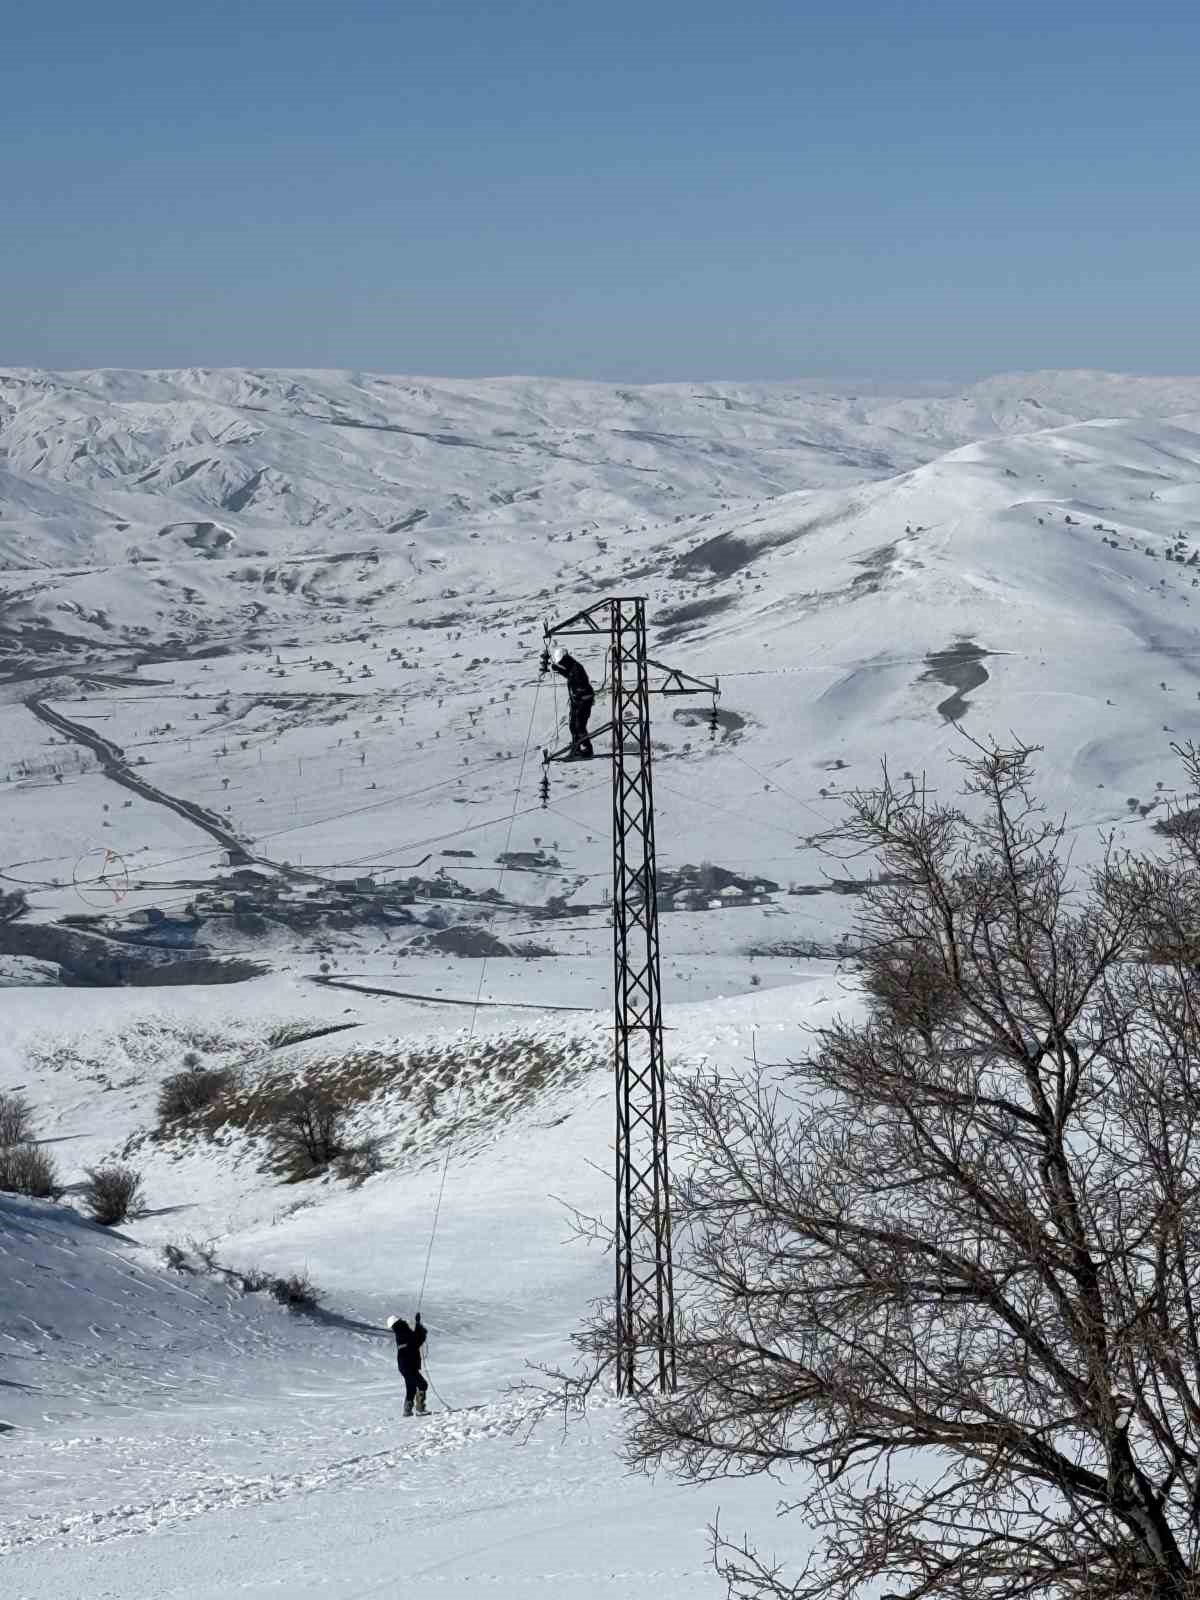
<point>175,1258</point>
<point>112,1194</point>
<point>298,1292</point>
<point>27,1169</point>
<point>294,1290</point>
<point>16,1120</point>
<point>193,1089</point>
<point>947,1267</point>
<point>205,1251</point>
<point>308,1129</point>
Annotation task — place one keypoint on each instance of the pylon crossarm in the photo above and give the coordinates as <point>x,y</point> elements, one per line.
<point>595,619</point>
<point>679,682</point>
<point>565,750</point>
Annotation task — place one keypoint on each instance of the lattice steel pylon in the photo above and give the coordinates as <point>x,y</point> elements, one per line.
<point>645,1297</point>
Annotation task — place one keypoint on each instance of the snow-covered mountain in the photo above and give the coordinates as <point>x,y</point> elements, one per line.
<point>114,467</point>
<point>269,704</point>
<point>299,614</point>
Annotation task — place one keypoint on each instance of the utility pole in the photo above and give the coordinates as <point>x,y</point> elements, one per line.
<point>645,1299</point>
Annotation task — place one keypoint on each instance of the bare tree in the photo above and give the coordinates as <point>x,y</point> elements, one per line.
<point>947,1267</point>
<point>308,1125</point>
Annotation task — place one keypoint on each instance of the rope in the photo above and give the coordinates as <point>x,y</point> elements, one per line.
<point>554,687</point>
<point>438,1394</point>
<point>437,1211</point>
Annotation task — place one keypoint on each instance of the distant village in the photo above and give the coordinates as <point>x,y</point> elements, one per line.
<point>253,899</point>
<point>710,888</point>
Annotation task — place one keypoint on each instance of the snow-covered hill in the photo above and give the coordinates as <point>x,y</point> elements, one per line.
<point>265,1451</point>
<point>268,650</point>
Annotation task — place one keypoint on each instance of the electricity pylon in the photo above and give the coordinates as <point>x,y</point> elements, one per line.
<point>645,1297</point>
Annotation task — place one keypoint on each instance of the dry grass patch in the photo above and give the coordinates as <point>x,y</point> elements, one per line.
<point>309,1118</point>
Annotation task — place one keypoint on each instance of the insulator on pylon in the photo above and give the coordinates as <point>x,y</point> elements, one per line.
<point>545,789</point>
<point>714,721</point>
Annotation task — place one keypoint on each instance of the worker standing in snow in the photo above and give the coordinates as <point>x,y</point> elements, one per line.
<point>408,1359</point>
<point>579,688</point>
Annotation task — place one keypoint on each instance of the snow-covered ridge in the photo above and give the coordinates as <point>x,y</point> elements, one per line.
<point>103,463</point>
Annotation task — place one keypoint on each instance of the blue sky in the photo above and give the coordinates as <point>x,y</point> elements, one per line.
<point>877,188</point>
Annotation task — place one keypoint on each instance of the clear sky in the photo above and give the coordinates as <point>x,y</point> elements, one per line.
<point>601,188</point>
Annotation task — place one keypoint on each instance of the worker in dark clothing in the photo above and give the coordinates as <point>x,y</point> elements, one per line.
<point>579,688</point>
<point>408,1359</point>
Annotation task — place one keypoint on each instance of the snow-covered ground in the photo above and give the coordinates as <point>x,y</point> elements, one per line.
<point>298,615</point>
<point>170,1435</point>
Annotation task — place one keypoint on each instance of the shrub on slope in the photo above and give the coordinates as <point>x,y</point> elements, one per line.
<point>112,1194</point>
<point>16,1120</point>
<point>193,1089</point>
<point>26,1169</point>
<point>296,1291</point>
<point>308,1129</point>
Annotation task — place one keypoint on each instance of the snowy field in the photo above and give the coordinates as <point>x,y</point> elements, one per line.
<point>169,1435</point>
<point>294,620</point>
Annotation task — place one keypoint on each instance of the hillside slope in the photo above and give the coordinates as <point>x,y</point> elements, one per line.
<point>265,1450</point>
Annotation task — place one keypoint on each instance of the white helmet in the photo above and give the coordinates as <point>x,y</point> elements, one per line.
<point>557,655</point>
<point>392,1321</point>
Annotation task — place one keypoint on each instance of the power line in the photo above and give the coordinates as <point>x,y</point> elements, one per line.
<point>432,839</point>
<point>456,833</point>
<point>475,827</point>
<point>334,816</point>
<point>775,784</point>
<point>455,779</point>
<point>443,836</point>
<point>740,816</point>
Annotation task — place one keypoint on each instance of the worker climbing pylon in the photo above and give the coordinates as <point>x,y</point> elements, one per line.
<point>582,698</point>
